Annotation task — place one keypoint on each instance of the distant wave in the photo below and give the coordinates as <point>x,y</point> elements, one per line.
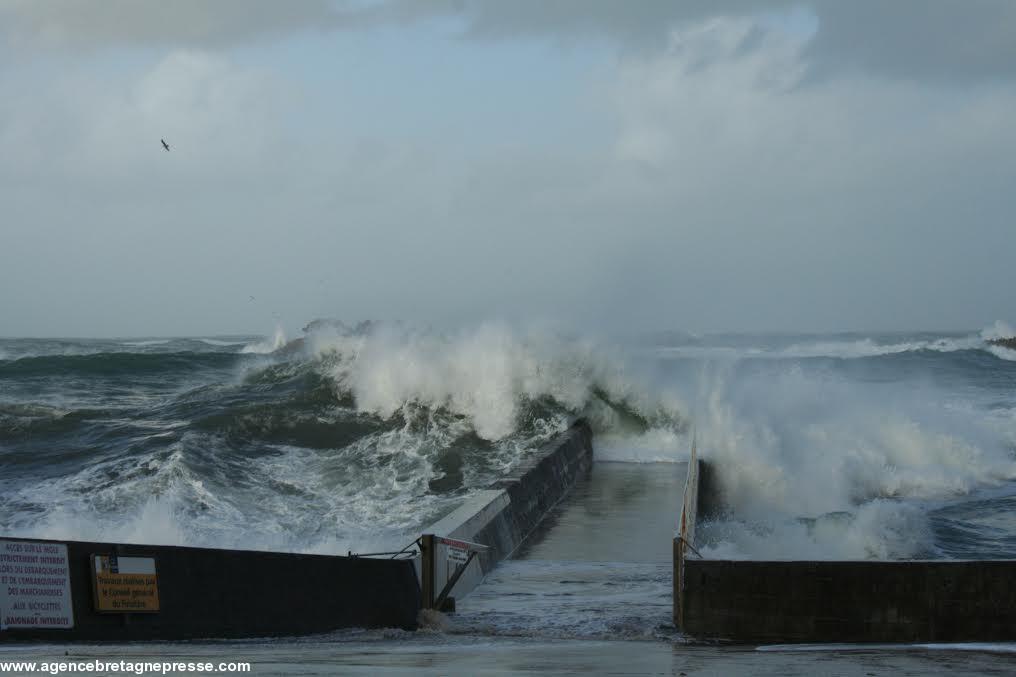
<point>221,343</point>
<point>870,348</point>
<point>846,350</point>
<point>120,363</point>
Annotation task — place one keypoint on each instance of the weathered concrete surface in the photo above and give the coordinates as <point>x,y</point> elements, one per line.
<point>923,601</point>
<point>206,593</point>
<point>509,510</point>
<point>536,486</point>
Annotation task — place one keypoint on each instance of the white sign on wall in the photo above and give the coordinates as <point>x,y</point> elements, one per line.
<point>35,586</point>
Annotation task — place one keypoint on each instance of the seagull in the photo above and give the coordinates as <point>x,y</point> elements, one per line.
<point>164,144</point>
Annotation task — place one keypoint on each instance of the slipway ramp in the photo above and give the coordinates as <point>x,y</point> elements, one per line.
<point>598,568</point>
<point>596,563</point>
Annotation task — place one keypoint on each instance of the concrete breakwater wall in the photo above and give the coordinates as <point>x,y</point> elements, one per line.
<point>493,523</point>
<point>863,601</point>
<point>829,601</point>
<point>71,590</point>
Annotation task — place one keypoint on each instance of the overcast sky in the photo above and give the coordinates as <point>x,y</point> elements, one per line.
<point>708,166</point>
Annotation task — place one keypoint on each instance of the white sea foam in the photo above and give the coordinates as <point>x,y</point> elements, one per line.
<point>88,505</point>
<point>879,529</point>
<point>1003,353</point>
<point>294,500</point>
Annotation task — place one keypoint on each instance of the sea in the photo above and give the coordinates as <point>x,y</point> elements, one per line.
<point>352,437</point>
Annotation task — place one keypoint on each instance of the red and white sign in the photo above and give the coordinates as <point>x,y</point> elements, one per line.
<point>458,551</point>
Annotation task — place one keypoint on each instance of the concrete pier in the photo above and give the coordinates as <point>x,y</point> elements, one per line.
<point>493,523</point>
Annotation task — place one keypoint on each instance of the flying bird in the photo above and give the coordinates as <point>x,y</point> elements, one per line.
<point>164,144</point>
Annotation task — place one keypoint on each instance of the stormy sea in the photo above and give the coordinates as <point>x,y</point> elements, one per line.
<point>352,437</point>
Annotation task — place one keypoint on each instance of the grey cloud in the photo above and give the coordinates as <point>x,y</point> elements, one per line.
<point>68,23</point>
<point>204,23</point>
<point>940,40</point>
<point>943,40</point>
<point>937,40</point>
<point>632,23</point>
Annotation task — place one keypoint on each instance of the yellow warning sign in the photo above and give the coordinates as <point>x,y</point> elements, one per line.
<point>125,584</point>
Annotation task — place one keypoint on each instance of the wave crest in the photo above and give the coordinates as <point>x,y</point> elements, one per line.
<point>501,381</point>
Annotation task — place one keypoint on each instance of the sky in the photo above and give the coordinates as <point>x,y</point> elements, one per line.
<point>702,165</point>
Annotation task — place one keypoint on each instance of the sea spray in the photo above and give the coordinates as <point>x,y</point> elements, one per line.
<point>795,447</point>
<point>268,345</point>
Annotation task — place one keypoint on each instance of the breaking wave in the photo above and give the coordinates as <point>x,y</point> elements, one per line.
<point>352,438</point>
